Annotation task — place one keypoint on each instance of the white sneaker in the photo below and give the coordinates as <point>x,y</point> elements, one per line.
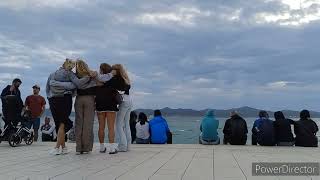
<point>103,149</point>
<point>64,150</point>
<point>55,151</point>
<point>113,148</point>
<point>78,153</point>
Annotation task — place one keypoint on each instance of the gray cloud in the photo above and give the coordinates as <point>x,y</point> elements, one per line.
<point>191,54</point>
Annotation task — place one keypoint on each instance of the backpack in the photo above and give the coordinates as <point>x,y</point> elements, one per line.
<point>266,133</point>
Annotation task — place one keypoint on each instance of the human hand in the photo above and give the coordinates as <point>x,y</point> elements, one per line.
<point>93,74</point>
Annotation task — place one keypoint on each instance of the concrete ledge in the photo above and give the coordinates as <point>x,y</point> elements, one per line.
<point>169,162</point>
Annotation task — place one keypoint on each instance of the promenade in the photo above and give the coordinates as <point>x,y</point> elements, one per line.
<point>154,162</point>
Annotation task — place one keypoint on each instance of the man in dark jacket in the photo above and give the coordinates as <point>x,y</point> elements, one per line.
<point>282,126</point>
<point>11,90</point>
<point>263,132</point>
<point>306,130</point>
<point>235,130</point>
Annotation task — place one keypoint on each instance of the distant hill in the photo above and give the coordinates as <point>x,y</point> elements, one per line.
<point>244,111</point>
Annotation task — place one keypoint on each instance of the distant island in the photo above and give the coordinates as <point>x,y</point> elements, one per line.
<point>244,111</point>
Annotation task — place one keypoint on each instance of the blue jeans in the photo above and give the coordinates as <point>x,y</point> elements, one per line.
<point>123,132</point>
<point>205,142</point>
<point>35,124</point>
<point>142,141</point>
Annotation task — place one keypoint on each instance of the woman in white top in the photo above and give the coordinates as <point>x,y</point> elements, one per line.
<point>142,128</point>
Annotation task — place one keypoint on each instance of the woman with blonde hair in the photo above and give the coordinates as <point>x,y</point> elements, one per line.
<point>121,83</point>
<point>60,100</point>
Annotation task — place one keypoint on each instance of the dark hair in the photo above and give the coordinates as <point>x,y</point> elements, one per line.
<point>157,113</point>
<point>133,116</point>
<point>279,115</point>
<point>143,118</point>
<point>17,80</point>
<point>263,114</point>
<point>305,114</point>
<point>105,68</point>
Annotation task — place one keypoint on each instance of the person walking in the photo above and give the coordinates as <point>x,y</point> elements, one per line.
<point>36,104</point>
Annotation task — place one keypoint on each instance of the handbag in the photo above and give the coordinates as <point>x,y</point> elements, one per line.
<point>118,97</point>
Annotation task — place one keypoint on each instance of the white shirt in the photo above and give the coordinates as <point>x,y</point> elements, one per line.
<point>142,131</point>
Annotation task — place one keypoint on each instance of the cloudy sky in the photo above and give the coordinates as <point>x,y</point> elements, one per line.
<point>188,54</point>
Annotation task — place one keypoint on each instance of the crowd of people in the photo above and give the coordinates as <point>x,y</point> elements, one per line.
<point>265,132</point>
<point>107,94</point>
<point>155,131</point>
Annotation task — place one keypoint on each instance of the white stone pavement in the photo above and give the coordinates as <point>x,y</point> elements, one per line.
<point>154,162</point>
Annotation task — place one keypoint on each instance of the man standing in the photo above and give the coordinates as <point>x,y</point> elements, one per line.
<point>36,104</point>
<point>8,108</point>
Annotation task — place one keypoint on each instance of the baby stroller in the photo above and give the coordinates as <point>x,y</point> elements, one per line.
<point>16,128</point>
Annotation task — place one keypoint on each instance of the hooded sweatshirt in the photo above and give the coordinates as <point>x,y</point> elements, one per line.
<point>159,129</point>
<point>209,127</point>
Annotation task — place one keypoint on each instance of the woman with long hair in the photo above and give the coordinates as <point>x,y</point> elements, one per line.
<point>142,128</point>
<point>283,132</point>
<point>85,110</point>
<point>60,100</point>
<point>121,83</point>
<point>106,107</point>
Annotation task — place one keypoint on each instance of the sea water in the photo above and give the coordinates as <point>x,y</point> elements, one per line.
<point>186,130</point>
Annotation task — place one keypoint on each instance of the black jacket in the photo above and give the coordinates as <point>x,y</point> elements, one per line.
<point>283,130</point>
<point>236,130</point>
<point>306,131</point>
<point>19,104</point>
<point>119,84</point>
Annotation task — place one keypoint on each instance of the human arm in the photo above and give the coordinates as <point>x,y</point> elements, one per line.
<point>48,86</point>
<point>50,131</point>
<point>79,83</point>
<point>254,130</point>
<point>166,126</point>
<point>104,77</point>
<point>63,85</point>
<point>43,106</point>
<point>226,128</point>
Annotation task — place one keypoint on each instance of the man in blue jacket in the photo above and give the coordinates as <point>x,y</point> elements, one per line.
<point>159,129</point>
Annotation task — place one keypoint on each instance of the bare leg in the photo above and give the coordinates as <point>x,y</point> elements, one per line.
<point>102,126</point>
<point>61,136</point>
<point>111,119</point>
